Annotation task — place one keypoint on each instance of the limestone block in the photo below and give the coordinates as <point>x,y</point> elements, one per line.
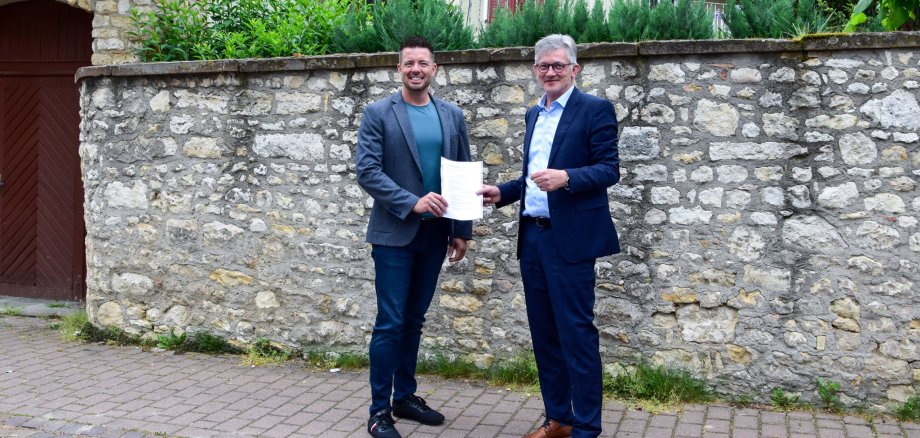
<point>885,202</point>
<point>681,295</point>
<point>461,303</point>
<point>639,143</point>
<point>266,299</point>
<point>812,233</point>
<point>746,244</point>
<point>754,151</point>
<point>461,76</point>
<point>720,119</point>
<point>886,368</point>
<point>668,72</point>
<point>203,147</point>
<point>657,114</point>
<point>110,314</point>
<point>665,195</point>
<point>839,122</point>
<point>133,285</point>
<point>898,110</point>
<point>160,102</point>
<point>226,277</point>
<point>769,279</point>
<point>650,172</point>
<point>689,216</point>
<point>784,74</point>
<point>707,325</point>
<point>903,184</point>
<point>490,128</point>
<point>118,195</point>
<point>468,325</point>
<point>753,299</point>
<point>838,196</point>
<point>221,232</point>
<point>780,125</point>
<point>874,235</point>
<point>303,146</point>
<point>713,276</point>
<point>900,393</point>
<point>655,217</point>
<point>858,149</point>
<point>900,349</point>
<point>731,174</point>
<point>711,197</point>
<point>702,174</point>
<point>847,340</point>
<point>505,94</point>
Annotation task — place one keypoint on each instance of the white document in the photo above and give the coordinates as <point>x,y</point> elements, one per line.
<point>460,180</point>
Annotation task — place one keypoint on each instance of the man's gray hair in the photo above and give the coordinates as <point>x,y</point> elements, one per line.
<point>552,42</point>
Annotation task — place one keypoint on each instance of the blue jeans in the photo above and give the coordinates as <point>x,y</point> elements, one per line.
<point>560,312</point>
<point>406,278</point>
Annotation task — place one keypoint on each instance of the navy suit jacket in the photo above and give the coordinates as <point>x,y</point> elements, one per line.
<point>388,167</point>
<point>585,146</point>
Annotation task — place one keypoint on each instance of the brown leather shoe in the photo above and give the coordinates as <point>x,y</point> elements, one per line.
<point>551,429</point>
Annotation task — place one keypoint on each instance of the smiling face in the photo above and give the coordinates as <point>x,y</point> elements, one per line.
<point>556,84</point>
<point>416,67</point>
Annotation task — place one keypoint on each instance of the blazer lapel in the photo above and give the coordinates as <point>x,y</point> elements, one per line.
<point>568,116</point>
<point>530,120</point>
<point>402,117</point>
<point>449,149</point>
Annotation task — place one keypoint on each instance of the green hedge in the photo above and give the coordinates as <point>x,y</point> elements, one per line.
<point>226,29</point>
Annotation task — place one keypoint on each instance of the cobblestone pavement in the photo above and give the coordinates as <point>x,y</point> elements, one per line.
<point>51,388</point>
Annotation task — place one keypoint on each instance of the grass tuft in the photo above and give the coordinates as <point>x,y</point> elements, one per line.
<point>264,352</point>
<point>657,384</point>
<point>11,311</point>
<point>72,327</point>
<point>782,400</point>
<point>910,410</point>
<point>329,360</point>
<point>171,341</point>
<point>204,342</point>
<point>57,305</point>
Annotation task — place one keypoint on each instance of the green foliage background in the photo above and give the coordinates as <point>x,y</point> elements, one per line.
<point>178,30</point>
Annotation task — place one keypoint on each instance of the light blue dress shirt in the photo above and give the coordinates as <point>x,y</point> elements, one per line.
<point>541,144</point>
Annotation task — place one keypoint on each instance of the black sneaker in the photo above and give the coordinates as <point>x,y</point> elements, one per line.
<point>380,425</point>
<point>415,408</point>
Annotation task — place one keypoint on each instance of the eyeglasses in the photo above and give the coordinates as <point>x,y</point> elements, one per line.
<point>557,67</point>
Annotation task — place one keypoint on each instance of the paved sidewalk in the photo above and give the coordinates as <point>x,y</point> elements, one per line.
<point>51,388</point>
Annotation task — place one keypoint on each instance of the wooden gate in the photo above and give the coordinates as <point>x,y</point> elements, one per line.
<point>42,252</point>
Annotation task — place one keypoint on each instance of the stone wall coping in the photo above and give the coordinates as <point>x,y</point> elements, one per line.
<point>830,42</point>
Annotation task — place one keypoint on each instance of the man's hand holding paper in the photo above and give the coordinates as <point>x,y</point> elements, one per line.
<point>460,182</point>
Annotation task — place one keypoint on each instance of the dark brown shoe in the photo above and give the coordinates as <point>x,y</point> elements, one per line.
<point>551,429</point>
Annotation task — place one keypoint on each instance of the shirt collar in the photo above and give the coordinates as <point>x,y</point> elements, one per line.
<point>562,100</point>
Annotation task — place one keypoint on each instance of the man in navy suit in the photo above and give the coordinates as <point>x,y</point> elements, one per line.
<point>400,144</point>
<point>570,158</point>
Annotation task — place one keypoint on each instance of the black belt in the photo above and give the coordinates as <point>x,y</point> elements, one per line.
<point>542,222</point>
<point>430,218</point>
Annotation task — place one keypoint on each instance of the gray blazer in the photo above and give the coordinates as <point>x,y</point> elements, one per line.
<point>388,167</point>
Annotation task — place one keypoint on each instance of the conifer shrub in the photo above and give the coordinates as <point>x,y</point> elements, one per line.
<point>525,26</point>
<point>774,19</point>
<point>382,26</point>
<point>596,29</point>
<point>628,20</point>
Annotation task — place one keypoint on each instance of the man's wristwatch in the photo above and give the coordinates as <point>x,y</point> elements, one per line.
<point>566,186</point>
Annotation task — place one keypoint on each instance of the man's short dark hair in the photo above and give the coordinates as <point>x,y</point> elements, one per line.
<point>416,42</point>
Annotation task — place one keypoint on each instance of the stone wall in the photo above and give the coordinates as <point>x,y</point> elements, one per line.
<point>768,208</point>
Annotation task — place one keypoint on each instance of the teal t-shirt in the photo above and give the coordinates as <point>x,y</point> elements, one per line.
<point>426,126</point>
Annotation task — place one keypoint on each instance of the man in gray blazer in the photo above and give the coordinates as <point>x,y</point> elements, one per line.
<point>400,144</point>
